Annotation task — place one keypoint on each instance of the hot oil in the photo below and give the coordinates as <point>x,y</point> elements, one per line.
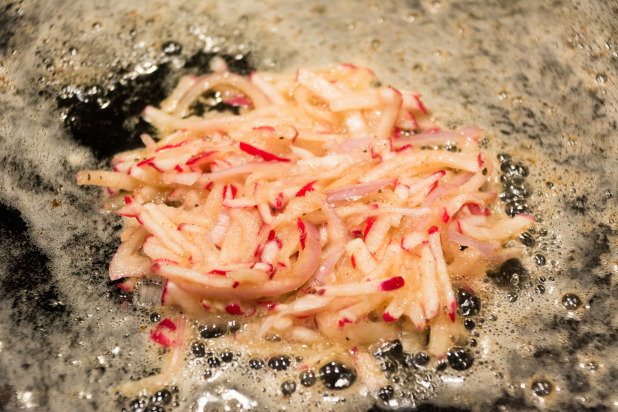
<point>543,335</point>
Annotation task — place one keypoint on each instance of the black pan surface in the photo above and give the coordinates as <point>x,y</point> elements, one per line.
<point>539,77</point>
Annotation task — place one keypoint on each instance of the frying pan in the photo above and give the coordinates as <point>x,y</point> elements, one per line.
<point>538,77</point>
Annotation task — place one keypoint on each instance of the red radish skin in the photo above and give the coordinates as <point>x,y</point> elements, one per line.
<point>264,129</point>
<point>218,272</point>
<point>199,158</point>
<point>414,122</point>
<point>388,318</point>
<point>406,147</point>
<point>232,191</point>
<point>124,287</point>
<point>164,293</point>
<point>368,225</point>
<point>476,209</point>
<point>393,283</point>
<point>267,304</point>
<point>165,261</point>
<point>305,189</point>
<point>161,339</point>
<point>343,321</point>
<point>420,104</point>
<point>453,311</point>
<point>272,237</point>
<point>239,101</point>
<point>303,233</point>
<point>432,188</point>
<point>254,151</point>
<point>167,323</point>
<point>170,146</point>
<point>445,216</point>
<point>397,133</point>
<point>145,162</point>
<point>348,66</point>
<point>234,309</point>
<point>159,334</point>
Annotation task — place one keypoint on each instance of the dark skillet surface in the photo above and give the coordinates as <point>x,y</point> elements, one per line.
<point>539,78</point>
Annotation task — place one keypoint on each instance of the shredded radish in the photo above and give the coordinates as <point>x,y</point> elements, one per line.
<point>323,195</point>
<point>354,192</point>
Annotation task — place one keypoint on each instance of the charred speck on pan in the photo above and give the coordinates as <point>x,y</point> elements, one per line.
<point>577,382</point>
<point>6,393</point>
<point>548,355</point>
<point>27,176</point>
<point>580,204</point>
<point>589,255</point>
<point>511,402</point>
<point>99,257</point>
<point>521,121</point>
<point>580,336</point>
<point>598,111</point>
<point>9,20</point>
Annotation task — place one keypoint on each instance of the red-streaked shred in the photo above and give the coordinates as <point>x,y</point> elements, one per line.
<point>303,233</point>
<point>306,188</point>
<point>218,272</point>
<point>252,150</point>
<point>162,335</point>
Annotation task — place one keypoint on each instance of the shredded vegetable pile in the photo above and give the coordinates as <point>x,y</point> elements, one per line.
<point>321,204</point>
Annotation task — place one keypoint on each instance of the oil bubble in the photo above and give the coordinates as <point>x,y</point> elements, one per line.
<point>459,358</point>
<point>542,387</point>
<point>307,378</point>
<point>335,375</point>
<point>571,301</point>
<point>601,78</point>
<point>279,363</point>
<point>288,388</point>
